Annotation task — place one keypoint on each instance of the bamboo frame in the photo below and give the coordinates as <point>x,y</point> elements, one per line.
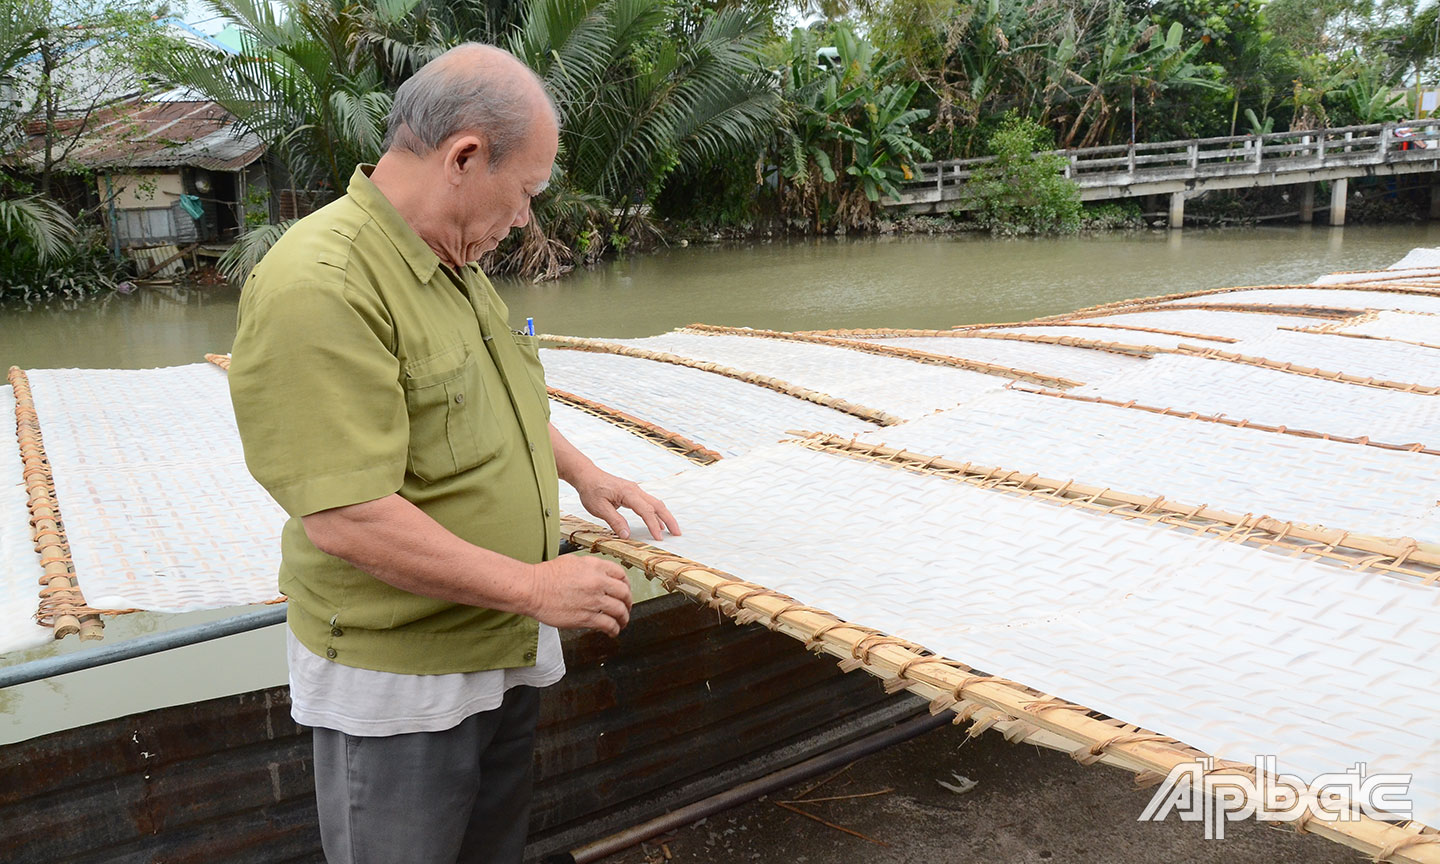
<point>657,435</point>
<point>1020,713</point>
<point>892,351</point>
<point>1405,556</point>
<point>1424,291</point>
<point>62,604</point>
<point>221,360</point>
<point>1301,311</point>
<point>600,346</point>
<point>1126,349</point>
<point>1415,447</point>
<point>1337,328</point>
<point>1307,371</point>
<point>982,331</point>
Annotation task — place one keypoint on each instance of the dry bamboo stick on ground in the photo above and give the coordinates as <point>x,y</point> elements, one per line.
<point>62,605</point>
<point>1416,447</point>
<point>1019,712</point>
<point>1405,556</point>
<point>672,441</point>
<point>891,351</point>
<point>599,346</point>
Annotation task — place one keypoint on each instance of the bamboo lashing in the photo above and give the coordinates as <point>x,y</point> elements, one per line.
<point>892,351</point>
<point>672,441</point>
<point>600,346</point>
<point>62,604</point>
<point>1414,447</point>
<point>1019,712</point>
<point>1404,556</point>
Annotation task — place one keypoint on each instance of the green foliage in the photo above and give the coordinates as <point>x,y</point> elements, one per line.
<point>249,248</point>
<point>48,254</point>
<point>1023,191</point>
<point>843,120</point>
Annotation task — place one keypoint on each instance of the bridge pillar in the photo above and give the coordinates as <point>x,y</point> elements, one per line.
<point>1307,203</point>
<point>1338,193</point>
<point>1435,200</point>
<point>1177,209</point>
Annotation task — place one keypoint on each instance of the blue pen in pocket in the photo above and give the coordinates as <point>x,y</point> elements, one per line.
<point>529,326</point>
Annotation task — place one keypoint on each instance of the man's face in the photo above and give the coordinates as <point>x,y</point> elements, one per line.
<point>496,198</point>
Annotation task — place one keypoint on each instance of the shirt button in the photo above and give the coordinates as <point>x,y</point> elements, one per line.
<point>336,631</point>
<point>529,656</point>
<point>459,398</point>
<point>331,652</point>
<point>547,511</point>
<point>532,448</point>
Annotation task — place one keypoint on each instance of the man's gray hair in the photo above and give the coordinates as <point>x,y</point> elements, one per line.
<point>444,97</point>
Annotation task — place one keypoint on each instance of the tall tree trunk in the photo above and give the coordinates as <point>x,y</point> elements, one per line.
<point>47,97</point>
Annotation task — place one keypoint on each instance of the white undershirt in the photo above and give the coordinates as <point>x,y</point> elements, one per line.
<point>369,703</point>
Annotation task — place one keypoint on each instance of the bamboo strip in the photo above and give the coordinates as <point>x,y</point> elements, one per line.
<point>1019,712</point>
<point>599,346</point>
<point>62,604</point>
<point>1332,312</point>
<point>1126,349</point>
<point>892,351</point>
<point>1321,332</point>
<point>1405,556</point>
<point>1416,447</point>
<point>658,435</point>
<point>221,360</point>
<point>1307,371</point>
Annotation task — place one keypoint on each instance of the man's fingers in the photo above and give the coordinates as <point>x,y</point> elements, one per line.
<point>613,518</point>
<point>664,513</point>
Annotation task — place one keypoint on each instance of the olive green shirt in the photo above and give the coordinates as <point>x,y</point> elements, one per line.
<point>364,367</point>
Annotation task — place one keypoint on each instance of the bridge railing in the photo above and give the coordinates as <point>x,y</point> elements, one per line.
<point>1207,157</point>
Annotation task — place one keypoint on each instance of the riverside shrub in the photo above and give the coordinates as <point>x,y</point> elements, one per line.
<point>1023,191</point>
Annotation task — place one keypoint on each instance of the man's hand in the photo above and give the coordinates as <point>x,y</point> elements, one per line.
<point>603,494</point>
<point>577,592</point>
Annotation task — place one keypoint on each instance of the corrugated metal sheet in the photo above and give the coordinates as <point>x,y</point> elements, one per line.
<point>680,699</point>
<point>163,134</point>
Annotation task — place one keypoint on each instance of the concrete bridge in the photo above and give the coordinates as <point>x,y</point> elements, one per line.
<point>1180,169</point>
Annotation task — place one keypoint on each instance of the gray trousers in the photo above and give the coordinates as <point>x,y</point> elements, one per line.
<point>462,795</point>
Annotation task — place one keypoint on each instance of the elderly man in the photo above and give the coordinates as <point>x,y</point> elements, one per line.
<point>387,406</point>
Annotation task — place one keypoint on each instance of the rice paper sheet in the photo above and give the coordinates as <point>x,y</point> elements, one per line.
<point>723,414</point>
<point>612,449</point>
<point>1077,364</point>
<point>1235,325</point>
<point>1369,358</point>
<point>1359,489</point>
<point>896,386</point>
<point>1228,648</point>
<point>1401,325</point>
<point>1275,398</point>
<point>1339,297</point>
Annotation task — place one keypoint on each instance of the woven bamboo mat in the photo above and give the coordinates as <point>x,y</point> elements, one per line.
<point>18,563</point>
<point>1084,364</point>
<point>1235,325</point>
<point>1397,325</point>
<point>1362,489</point>
<point>724,414</point>
<point>1271,397</point>
<point>1363,357</point>
<point>612,449</point>
<point>1336,297</point>
<point>159,509</point>
<point>896,386</point>
<point>1231,649</point>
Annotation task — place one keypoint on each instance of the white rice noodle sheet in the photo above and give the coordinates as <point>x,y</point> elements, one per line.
<point>159,509</point>
<point>1234,325</point>
<point>1368,358</point>
<point>1274,398</point>
<point>1244,471</point>
<point>1336,297</point>
<point>1077,364</point>
<point>893,385</point>
<point>19,567</point>
<point>723,414</point>
<point>1234,650</point>
<point>612,449</point>
<point>1401,325</point>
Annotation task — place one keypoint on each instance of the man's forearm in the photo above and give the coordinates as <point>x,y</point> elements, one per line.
<point>397,543</point>
<point>570,463</point>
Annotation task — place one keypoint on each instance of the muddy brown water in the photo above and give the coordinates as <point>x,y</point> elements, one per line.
<point>869,282</point>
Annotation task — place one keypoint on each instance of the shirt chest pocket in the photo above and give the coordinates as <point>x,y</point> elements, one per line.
<point>452,426</point>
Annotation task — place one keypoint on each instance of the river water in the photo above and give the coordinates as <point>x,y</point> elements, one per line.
<point>930,282</point>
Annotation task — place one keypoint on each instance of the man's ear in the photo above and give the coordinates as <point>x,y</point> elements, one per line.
<point>463,155</point>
